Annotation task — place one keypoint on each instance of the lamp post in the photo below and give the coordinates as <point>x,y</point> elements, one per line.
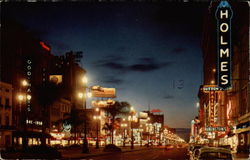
<point>141,136</point>
<point>85,148</point>
<point>98,118</point>
<point>148,119</point>
<point>23,97</point>
<point>124,125</point>
<point>132,135</point>
<point>132,119</point>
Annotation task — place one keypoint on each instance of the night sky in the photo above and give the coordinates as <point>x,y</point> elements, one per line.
<point>150,52</point>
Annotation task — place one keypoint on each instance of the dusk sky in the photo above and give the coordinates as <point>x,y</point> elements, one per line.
<point>150,52</point>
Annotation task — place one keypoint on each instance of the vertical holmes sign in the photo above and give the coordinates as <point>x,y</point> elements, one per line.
<point>224,15</point>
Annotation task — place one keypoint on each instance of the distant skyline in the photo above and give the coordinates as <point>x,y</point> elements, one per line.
<point>150,52</point>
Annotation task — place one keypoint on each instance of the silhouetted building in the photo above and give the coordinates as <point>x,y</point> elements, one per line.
<point>72,77</point>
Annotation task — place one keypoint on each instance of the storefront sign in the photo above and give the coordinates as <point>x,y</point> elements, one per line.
<point>215,129</point>
<point>207,88</point>
<point>224,52</point>
<point>211,107</point>
<point>29,75</point>
<point>38,123</point>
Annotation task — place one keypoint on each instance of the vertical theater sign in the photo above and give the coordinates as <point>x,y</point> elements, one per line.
<point>224,15</point>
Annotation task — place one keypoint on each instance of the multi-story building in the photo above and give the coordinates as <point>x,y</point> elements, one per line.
<point>72,77</point>
<point>25,58</point>
<point>156,124</point>
<point>238,101</point>
<point>6,127</point>
<point>224,114</point>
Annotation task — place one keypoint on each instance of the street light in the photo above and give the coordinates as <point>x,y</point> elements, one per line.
<point>148,127</point>
<point>85,148</point>
<point>89,94</point>
<point>124,125</point>
<point>212,82</point>
<point>132,108</point>
<point>20,97</point>
<point>98,118</point>
<point>24,82</point>
<point>84,80</point>
<point>97,109</point>
<point>132,118</point>
<point>80,95</point>
<point>197,104</point>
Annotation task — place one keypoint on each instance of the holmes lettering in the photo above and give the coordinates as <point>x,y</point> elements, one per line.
<point>224,15</point>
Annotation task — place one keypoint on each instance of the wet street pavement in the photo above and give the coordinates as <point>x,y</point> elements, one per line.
<point>156,154</point>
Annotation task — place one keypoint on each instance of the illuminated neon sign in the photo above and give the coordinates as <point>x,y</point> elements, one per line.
<point>66,126</point>
<point>29,75</point>
<point>44,46</point>
<point>224,15</point>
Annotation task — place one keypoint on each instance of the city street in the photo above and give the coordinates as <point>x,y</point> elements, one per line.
<point>137,154</point>
<point>157,154</point>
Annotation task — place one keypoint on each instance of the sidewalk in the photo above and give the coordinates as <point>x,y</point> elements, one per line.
<point>241,156</point>
<point>76,153</point>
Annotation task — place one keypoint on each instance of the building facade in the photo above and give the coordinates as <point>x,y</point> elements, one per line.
<point>6,127</point>
<point>24,57</point>
<point>224,114</point>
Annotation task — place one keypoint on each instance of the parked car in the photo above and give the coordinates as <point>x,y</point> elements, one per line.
<point>214,153</point>
<point>191,150</point>
<point>195,154</point>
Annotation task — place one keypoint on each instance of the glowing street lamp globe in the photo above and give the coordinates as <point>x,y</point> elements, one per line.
<point>89,94</point>
<point>85,80</point>
<point>24,83</point>
<point>20,97</point>
<point>80,95</point>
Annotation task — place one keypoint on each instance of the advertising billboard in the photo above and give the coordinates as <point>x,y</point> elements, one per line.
<point>98,91</point>
<point>101,104</point>
<point>143,115</point>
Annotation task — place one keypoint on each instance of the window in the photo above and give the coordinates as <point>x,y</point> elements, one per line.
<point>7,101</point>
<point>1,105</point>
<point>7,120</point>
<point>7,141</point>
